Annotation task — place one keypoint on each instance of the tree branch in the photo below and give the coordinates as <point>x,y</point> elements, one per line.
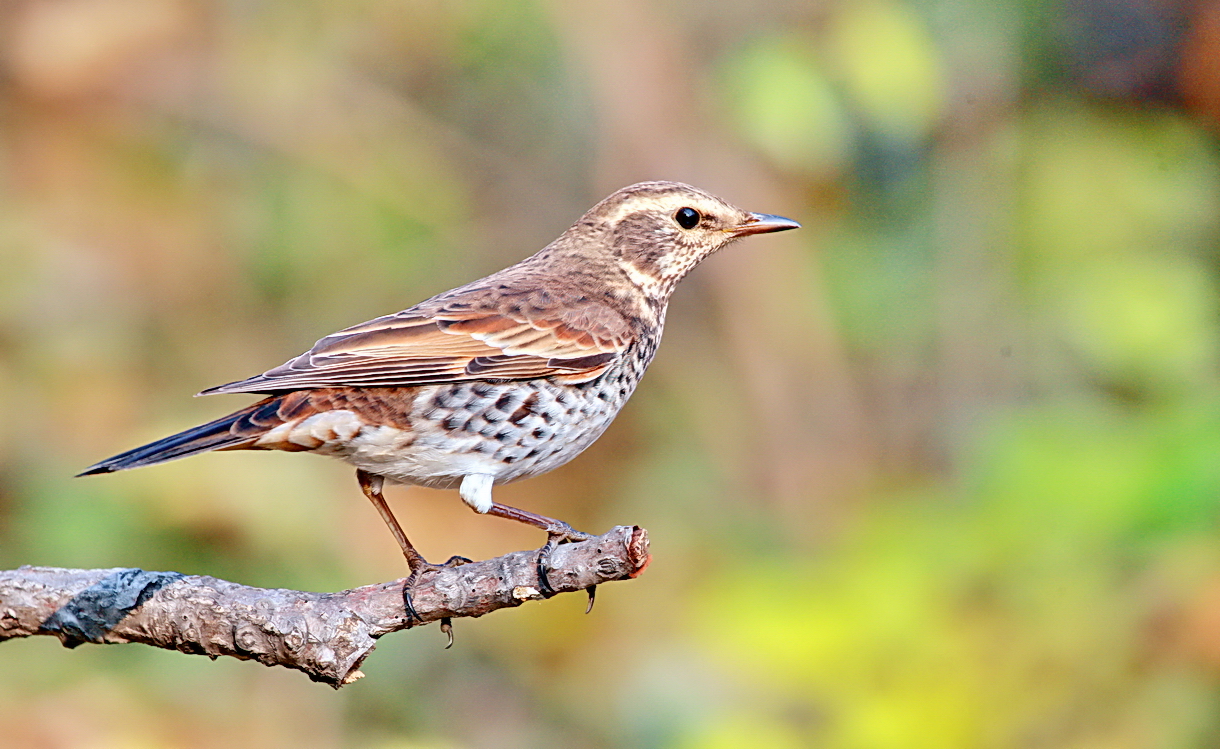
<point>326,635</point>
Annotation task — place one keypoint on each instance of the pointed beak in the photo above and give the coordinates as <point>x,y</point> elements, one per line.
<point>763,223</point>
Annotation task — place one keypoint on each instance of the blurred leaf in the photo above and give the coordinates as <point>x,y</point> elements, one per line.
<point>1100,183</point>
<point>1144,322</point>
<point>738,730</point>
<point>890,67</point>
<point>785,107</point>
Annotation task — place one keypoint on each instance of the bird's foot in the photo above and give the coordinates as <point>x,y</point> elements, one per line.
<point>419,568</point>
<point>559,533</point>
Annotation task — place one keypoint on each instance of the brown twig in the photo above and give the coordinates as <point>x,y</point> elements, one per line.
<point>326,635</point>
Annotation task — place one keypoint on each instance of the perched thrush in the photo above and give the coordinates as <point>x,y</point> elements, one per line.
<point>501,379</point>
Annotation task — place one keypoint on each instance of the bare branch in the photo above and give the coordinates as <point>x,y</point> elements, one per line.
<point>326,635</point>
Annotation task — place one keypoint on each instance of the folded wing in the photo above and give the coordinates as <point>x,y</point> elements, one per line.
<point>526,336</point>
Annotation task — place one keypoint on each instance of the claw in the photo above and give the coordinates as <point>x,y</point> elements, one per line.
<point>447,628</point>
<point>544,568</point>
<point>412,614</point>
<point>592,591</point>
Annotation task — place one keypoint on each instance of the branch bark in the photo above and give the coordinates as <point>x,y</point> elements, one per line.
<point>326,635</point>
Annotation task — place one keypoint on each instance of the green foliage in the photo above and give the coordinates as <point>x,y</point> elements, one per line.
<point>1023,606</point>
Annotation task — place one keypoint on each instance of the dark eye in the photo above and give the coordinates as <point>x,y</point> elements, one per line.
<point>687,217</point>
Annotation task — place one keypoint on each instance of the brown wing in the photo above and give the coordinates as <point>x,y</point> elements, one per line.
<point>525,336</point>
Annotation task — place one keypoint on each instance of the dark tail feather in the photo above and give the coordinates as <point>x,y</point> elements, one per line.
<point>229,431</point>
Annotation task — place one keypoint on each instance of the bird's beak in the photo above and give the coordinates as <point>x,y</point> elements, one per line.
<point>763,223</point>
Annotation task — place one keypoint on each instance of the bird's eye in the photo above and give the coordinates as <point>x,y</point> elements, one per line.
<point>687,217</point>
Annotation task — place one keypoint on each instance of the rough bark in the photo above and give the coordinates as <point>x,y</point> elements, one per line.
<point>326,635</point>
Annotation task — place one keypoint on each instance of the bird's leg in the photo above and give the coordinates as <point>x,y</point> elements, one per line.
<point>557,532</point>
<point>371,485</point>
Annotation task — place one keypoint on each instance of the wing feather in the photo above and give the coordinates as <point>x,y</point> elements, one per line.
<point>538,334</point>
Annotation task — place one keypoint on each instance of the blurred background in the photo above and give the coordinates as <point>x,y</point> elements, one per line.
<point>940,470</point>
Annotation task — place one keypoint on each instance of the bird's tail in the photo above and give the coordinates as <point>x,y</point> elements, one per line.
<point>232,432</point>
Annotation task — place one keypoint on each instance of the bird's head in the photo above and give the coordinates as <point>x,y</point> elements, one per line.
<point>658,231</point>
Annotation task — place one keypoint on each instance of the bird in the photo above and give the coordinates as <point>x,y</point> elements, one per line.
<point>501,379</point>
